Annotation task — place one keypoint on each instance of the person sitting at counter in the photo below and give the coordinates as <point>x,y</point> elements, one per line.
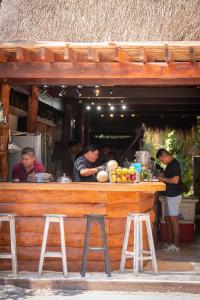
<point>27,166</point>
<point>85,167</point>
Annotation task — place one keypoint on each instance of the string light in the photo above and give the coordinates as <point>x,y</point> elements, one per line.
<point>111,115</point>
<point>63,91</point>
<point>96,90</point>
<point>98,107</point>
<point>112,108</point>
<point>79,91</point>
<point>88,107</point>
<point>123,106</point>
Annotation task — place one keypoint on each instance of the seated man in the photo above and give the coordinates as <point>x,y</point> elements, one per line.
<point>27,166</point>
<point>85,167</point>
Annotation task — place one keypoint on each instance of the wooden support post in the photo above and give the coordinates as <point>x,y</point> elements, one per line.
<point>66,138</point>
<point>80,124</point>
<point>32,110</point>
<point>5,97</point>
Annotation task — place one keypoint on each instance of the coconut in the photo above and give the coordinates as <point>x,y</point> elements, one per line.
<point>102,176</point>
<point>112,165</point>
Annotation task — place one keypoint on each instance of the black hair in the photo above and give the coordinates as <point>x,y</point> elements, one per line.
<point>162,152</point>
<point>90,148</point>
<point>73,143</point>
<point>28,150</point>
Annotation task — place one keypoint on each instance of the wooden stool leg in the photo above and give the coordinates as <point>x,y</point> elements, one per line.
<point>63,249</point>
<point>151,245</point>
<point>13,246</point>
<point>125,244</point>
<point>105,245</point>
<point>136,245</point>
<point>140,244</point>
<point>85,249</point>
<point>44,242</point>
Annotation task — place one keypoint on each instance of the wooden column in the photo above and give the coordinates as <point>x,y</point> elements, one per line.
<point>5,97</point>
<point>66,135</point>
<point>80,124</point>
<point>32,110</point>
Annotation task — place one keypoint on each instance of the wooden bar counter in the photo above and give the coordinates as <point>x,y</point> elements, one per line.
<point>30,201</point>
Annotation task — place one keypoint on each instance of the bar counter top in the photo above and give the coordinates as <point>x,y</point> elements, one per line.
<point>151,187</point>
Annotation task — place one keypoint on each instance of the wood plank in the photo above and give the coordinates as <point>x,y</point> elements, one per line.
<point>143,56</point>
<point>39,209</point>
<point>167,54</point>
<point>192,55</point>
<point>32,110</point>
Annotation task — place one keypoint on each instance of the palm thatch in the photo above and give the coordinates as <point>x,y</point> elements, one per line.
<point>99,20</point>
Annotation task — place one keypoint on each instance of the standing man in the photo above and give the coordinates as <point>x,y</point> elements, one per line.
<point>27,166</point>
<point>85,167</point>
<point>172,200</point>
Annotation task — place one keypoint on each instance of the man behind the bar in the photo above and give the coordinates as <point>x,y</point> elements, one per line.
<point>27,166</point>
<point>85,168</point>
<point>172,199</point>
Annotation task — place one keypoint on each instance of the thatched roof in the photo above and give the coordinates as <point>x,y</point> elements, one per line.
<point>99,20</point>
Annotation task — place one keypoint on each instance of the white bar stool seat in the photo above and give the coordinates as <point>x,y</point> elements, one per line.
<point>138,252</point>
<point>6,217</point>
<point>55,218</point>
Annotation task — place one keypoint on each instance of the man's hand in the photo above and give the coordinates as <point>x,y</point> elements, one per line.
<point>101,168</point>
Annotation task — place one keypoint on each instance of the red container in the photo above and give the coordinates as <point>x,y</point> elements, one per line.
<point>187,231</point>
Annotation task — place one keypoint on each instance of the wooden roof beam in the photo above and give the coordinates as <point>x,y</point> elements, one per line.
<point>121,56</point>
<point>167,54</point>
<point>3,55</point>
<point>143,56</point>
<point>192,55</point>
<point>22,54</point>
<point>46,55</point>
<point>93,55</point>
<point>69,54</point>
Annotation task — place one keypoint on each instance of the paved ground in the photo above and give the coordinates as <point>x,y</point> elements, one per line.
<point>16,293</point>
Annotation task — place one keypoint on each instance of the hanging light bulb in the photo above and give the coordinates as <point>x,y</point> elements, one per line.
<point>96,90</point>
<point>45,90</point>
<point>111,115</point>
<point>112,108</point>
<point>124,107</point>
<point>88,107</point>
<point>98,107</point>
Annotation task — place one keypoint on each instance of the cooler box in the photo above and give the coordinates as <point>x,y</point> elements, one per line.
<point>187,231</point>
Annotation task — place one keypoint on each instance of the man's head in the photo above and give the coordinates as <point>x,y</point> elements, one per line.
<point>91,152</point>
<point>28,157</point>
<point>164,156</point>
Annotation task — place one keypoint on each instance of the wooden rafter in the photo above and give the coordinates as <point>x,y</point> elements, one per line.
<point>3,55</point>
<point>93,55</point>
<point>46,55</point>
<point>121,55</point>
<point>22,54</point>
<point>69,54</point>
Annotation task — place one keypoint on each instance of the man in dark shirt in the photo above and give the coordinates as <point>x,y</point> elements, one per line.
<point>27,166</point>
<point>172,200</point>
<point>85,167</point>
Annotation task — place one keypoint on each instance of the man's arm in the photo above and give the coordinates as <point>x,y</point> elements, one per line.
<point>173,180</point>
<point>88,171</point>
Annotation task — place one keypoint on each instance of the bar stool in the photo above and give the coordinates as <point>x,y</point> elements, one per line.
<point>54,218</point>
<point>4,217</point>
<point>138,251</point>
<point>104,248</point>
